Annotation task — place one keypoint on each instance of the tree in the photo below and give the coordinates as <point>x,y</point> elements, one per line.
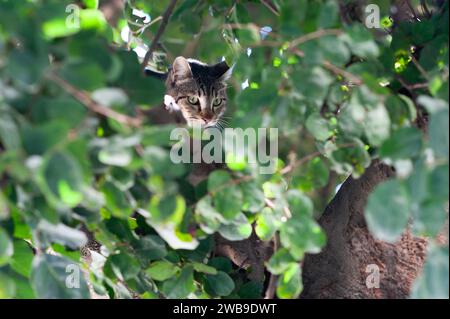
<point>363,126</point>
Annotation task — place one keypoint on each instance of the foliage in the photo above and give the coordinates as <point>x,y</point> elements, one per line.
<point>341,98</point>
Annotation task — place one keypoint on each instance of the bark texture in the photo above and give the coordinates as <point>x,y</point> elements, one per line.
<point>339,271</point>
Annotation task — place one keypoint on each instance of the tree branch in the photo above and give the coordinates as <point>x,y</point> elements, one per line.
<point>336,70</point>
<point>272,286</point>
<point>90,104</point>
<point>314,35</point>
<point>162,27</point>
<point>269,5</point>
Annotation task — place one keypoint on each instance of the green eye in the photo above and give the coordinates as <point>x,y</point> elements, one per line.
<point>217,102</point>
<point>192,100</point>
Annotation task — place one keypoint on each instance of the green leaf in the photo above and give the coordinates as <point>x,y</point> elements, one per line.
<point>6,247</point>
<point>91,4</point>
<point>251,290</point>
<point>312,176</point>
<point>253,197</point>
<point>116,201</point>
<point>9,133</point>
<point>55,277</point>
<point>438,133</point>
<point>162,270</point>
<point>403,143</point>
<point>7,287</point>
<point>62,234</point>
<point>207,216</point>
<point>433,282</point>
<point>299,203</point>
<point>318,127</point>
<point>360,41</point>
<point>429,218</point>
<point>266,225</point>
<point>180,286</point>
<point>200,267</point>
<point>22,258</point>
<point>149,248</point>
<point>228,201</point>
<point>312,84</point>
<point>328,15</point>
<point>172,236</point>
<point>290,282</point>
<point>438,183</point>
<point>4,209</point>
<point>220,284</point>
<point>221,263</point>
<point>61,109</point>
<point>167,208</point>
<point>160,162</point>
<point>123,265</point>
<point>377,125</point>
<point>38,139</point>
<point>388,210</point>
<point>238,229</point>
<point>280,261</point>
<point>84,75</point>
<point>218,180</point>
<point>64,178</point>
<point>301,234</point>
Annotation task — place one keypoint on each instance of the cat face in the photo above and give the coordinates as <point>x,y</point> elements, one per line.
<point>199,90</point>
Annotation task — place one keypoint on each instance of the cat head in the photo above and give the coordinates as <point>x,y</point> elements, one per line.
<point>199,90</point>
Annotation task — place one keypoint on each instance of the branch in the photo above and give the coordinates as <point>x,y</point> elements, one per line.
<point>90,104</point>
<point>336,70</point>
<point>314,35</point>
<point>162,27</point>
<point>272,287</point>
<point>292,166</point>
<point>269,5</point>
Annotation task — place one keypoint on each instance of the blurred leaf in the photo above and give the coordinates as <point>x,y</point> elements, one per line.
<point>438,133</point>
<point>290,282</point>
<point>318,127</point>
<point>203,268</point>
<point>123,265</point>
<point>50,277</point>
<point>280,261</point>
<point>237,229</point>
<point>161,270</point>
<point>433,282</point>
<point>38,139</point>
<point>220,284</point>
<point>64,178</point>
<point>150,248</point>
<point>62,234</point>
<point>388,210</point>
<point>266,224</point>
<point>403,143</point>
<point>181,285</point>
<point>6,247</point>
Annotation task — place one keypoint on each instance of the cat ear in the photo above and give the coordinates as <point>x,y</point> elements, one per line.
<point>181,69</point>
<point>222,71</point>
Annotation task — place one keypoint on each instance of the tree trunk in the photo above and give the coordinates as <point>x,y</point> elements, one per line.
<point>341,269</point>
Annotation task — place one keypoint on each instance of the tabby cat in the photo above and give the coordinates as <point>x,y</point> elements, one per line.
<point>197,90</point>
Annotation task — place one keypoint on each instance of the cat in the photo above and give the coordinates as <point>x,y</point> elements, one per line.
<point>197,90</point>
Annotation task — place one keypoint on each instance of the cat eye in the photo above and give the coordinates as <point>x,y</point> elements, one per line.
<point>217,102</point>
<point>193,100</point>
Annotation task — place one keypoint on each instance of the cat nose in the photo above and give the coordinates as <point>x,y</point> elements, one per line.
<point>207,116</point>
